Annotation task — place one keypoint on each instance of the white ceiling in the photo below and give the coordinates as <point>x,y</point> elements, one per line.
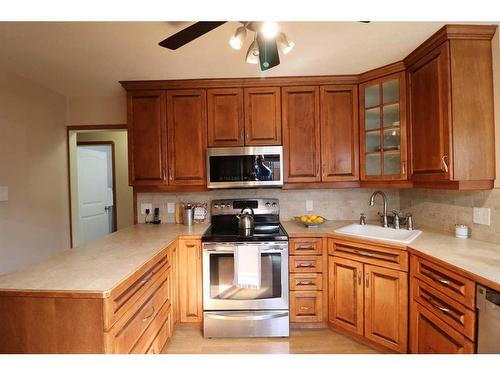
<point>88,59</point>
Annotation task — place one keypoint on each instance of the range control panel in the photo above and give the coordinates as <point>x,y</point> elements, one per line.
<point>260,206</point>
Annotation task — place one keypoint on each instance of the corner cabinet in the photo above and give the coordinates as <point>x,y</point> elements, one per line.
<point>451,110</point>
<point>147,138</point>
<point>383,129</point>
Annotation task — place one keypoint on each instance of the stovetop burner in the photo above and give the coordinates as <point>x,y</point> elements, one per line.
<point>262,233</point>
<point>224,226</point>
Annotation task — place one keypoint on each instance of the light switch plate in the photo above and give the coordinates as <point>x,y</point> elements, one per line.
<point>170,207</point>
<point>309,205</point>
<point>481,215</point>
<point>4,193</point>
<point>145,206</point>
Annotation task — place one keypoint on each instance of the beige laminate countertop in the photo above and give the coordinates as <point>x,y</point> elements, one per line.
<point>100,265</point>
<point>475,257</point>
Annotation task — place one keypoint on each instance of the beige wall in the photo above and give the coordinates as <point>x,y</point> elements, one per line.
<point>34,222</point>
<point>124,194</point>
<point>96,110</point>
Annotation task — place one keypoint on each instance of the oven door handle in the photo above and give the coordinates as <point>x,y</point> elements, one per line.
<point>236,316</point>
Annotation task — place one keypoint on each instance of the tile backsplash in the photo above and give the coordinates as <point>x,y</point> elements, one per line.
<point>442,209</point>
<point>332,204</point>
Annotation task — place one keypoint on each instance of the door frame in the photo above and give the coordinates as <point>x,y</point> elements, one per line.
<point>103,127</point>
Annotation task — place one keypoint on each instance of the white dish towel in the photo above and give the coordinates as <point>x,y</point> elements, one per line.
<point>247,266</point>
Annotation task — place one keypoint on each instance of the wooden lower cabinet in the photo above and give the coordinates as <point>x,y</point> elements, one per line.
<point>190,281</point>
<point>345,294</point>
<point>306,306</point>
<point>136,316</point>
<point>368,300</point>
<point>430,335</point>
<point>386,307</point>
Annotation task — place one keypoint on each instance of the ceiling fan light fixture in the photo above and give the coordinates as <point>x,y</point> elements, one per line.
<point>286,43</point>
<point>253,53</point>
<point>269,29</point>
<point>237,40</point>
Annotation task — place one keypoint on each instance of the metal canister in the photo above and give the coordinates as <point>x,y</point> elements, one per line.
<point>188,214</point>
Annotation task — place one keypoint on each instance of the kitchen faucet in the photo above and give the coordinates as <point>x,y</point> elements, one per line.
<point>372,202</point>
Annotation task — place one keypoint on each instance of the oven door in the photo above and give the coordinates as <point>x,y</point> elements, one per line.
<point>219,292</point>
<point>230,167</point>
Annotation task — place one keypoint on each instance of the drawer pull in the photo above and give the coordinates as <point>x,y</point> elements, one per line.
<point>144,281</point>
<point>305,307</point>
<point>438,280</point>
<point>150,315</point>
<point>305,265</point>
<point>437,306</point>
<point>305,283</point>
<point>306,247</point>
<point>365,253</point>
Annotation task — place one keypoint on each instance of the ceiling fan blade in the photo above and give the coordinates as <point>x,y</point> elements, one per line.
<point>268,52</point>
<point>190,33</point>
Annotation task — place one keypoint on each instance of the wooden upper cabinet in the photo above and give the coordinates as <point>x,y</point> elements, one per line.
<point>383,140</point>
<point>225,117</point>
<point>429,100</point>
<point>147,138</point>
<point>187,136</point>
<point>262,116</point>
<point>451,109</point>
<point>345,294</point>
<point>301,134</point>
<point>339,133</point>
<point>386,307</point>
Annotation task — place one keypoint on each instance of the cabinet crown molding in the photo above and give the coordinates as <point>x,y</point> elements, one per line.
<point>450,32</point>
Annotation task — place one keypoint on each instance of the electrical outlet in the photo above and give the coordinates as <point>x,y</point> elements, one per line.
<point>309,205</point>
<point>4,193</point>
<point>481,216</point>
<point>170,207</point>
<point>145,206</point>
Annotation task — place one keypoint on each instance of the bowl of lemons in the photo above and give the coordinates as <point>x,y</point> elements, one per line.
<point>311,221</point>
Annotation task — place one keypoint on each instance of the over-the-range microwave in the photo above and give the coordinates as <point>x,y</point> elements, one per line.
<point>244,167</point>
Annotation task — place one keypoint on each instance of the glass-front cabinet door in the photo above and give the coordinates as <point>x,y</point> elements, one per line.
<point>383,129</point>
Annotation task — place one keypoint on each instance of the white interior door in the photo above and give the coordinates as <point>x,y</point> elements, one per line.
<point>93,192</point>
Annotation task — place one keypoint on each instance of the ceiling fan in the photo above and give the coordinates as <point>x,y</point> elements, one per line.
<point>263,50</point>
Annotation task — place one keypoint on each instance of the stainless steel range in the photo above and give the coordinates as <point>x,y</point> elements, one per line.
<point>233,310</point>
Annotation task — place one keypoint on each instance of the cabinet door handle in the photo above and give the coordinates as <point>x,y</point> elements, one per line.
<point>445,166</point>
<point>404,168</point>
<point>367,280</point>
<point>242,135</point>
<point>359,278</point>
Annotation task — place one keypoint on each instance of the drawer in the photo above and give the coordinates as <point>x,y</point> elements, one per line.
<point>306,263</point>
<point>447,309</point>
<point>161,339</point>
<point>306,307</point>
<point>459,288</point>
<point>124,335</point>
<point>146,340</point>
<point>132,292</point>
<point>306,281</point>
<point>383,256</point>
<point>306,246</point>
<point>430,335</point>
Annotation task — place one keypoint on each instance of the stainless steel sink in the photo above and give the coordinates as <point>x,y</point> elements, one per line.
<point>380,233</point>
